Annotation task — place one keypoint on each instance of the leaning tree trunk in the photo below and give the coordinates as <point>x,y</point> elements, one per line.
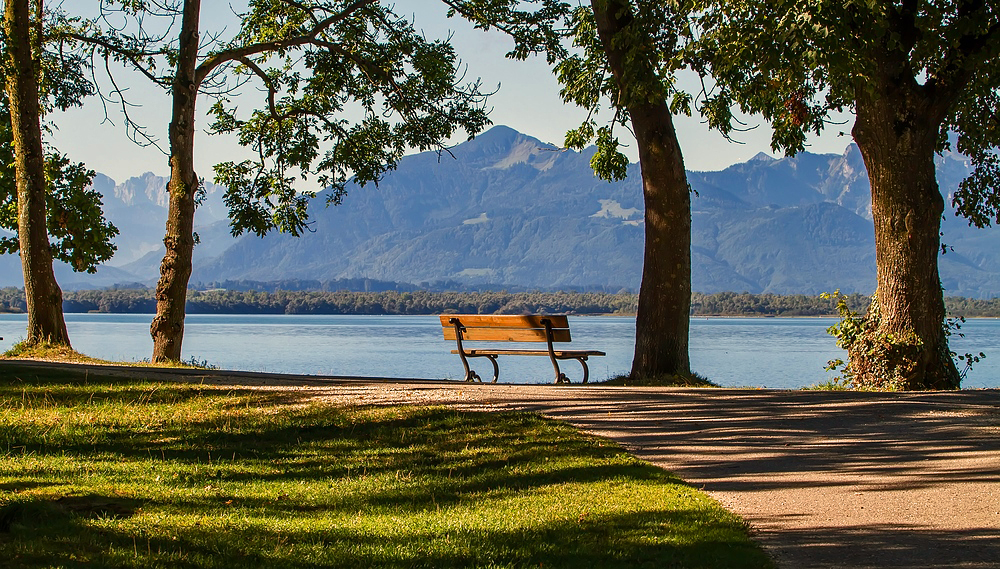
<point>663,316</point>
<point>167,328</point>
<point>903,344</point>
<point>41,291</point>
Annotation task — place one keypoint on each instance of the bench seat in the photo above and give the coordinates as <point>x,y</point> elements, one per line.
<point>541,328</point>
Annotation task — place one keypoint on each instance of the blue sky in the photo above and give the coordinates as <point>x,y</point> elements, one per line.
<point>527,100</point>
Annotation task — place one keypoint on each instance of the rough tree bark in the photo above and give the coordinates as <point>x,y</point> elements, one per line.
<point>42,293</point>
<point>663,316</point>
<point>903,345</point>
<point>167,328</point>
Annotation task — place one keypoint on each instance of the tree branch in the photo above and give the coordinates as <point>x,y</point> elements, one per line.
<point>225,56</point>
<point>129,55</point>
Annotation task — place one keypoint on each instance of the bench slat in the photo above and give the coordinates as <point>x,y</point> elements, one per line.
<point>506,320</point>
<point>507,334</point>
<point>559,353</point>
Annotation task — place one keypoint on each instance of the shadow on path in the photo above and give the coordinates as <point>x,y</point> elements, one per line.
<point>829,479</point>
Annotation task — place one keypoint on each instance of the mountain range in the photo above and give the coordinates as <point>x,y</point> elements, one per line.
<point>505,209</point>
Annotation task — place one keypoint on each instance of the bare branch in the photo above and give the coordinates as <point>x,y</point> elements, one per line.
<point>131,56</point>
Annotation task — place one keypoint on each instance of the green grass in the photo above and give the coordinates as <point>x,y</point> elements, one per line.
<point>66,354</point>
<point>103,472</point>
<point>835,384</point>
<point>692,380</point>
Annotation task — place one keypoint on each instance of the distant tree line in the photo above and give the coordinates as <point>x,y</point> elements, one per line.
<point>361,284</point>
<point>142,301</point>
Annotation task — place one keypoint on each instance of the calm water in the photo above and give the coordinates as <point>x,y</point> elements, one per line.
<point>762,352</point>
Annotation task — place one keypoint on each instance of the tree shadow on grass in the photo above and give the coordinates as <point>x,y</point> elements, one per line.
<point>448,454</point>
<point>652,538</point>
<point>416,464</point>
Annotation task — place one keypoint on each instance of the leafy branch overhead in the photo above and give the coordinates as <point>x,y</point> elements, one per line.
<point>796,62</point>
<point>348,88</point>
<point>653,43</point>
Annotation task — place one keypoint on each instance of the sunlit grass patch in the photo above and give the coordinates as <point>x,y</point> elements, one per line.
<point>65,354</point>
<point>677,380</point>
<point>49,352</point>
<point>116,473</point>
<point>835,384</point>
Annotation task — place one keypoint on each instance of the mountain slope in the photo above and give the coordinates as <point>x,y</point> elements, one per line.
<point>509,210</point>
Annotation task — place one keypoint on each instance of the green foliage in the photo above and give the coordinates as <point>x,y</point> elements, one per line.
<point>608,162</point>
<point>851,324</point>
<point>953,327</point>
<point>343,302</point>
<point>63,69</point>
<point>692,380</point>
<point>915,73</point>
<point>333,298</point>
<point>655,41</point>
<point>80,235</point>
<point>530,23</point>
<point>835,384</point>
<point>409,91</point>
<point>46,351</point>
<point>320,64</point>
<point>796,62</point>
<point>108,471</point>
<point>889,358</point>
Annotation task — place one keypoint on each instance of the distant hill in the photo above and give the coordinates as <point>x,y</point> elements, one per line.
<point>506,209</point>
<point>138,207</point>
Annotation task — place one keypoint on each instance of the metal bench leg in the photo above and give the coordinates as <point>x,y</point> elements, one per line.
<point>496,368</point>
<point>560,376</point>
<point>470,375</point>
<point>586,370</point>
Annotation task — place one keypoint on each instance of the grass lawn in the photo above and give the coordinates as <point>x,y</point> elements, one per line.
<point>106,472</point>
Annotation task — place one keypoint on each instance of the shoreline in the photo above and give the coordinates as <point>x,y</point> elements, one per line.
<point>573,314</point>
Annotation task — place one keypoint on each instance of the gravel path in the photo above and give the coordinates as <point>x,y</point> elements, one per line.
<point>827,479</point>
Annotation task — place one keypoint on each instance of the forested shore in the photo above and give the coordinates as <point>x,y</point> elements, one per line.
<point>125,301</point>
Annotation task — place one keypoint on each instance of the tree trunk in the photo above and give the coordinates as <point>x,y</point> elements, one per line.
<point>903,344</point>
<point>167,328</point>
<point>42,294</point>
<point>663,316</point>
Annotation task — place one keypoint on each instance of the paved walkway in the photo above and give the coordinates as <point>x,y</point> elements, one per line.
<point>827,479</point>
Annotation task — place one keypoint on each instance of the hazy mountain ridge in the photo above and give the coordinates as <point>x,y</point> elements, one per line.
<point>506,208</point>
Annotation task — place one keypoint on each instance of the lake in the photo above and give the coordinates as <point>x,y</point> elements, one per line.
<point>734,352</point>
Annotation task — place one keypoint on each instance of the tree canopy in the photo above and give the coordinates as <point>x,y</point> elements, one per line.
<point>797,62</point>
<point>81,236</point>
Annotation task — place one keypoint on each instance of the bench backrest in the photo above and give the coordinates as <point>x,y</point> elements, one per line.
<point>505,328</point>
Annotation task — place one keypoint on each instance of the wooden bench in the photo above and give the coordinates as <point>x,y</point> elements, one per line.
<point>527,328</point>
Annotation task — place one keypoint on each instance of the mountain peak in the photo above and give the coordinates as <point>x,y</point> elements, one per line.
<point>502,147</point>
<point>148,187</point>
<point>853,155</point>
<point>762,157</point>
